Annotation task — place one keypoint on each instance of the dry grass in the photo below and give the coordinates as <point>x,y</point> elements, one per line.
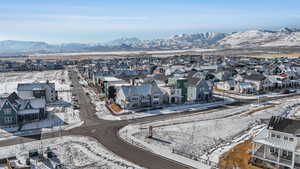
<point>115,108</point>
<point>258,109</point>
<point>290,55</point>
<point>237,157</point>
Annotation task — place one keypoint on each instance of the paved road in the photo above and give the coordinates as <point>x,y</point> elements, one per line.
<point>106,132</point>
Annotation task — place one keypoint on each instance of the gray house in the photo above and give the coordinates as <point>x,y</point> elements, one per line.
<point>14,110</point>
<point>147,95</point>
<point>198,90</point>
<point>37,90</point>
<point>8,113</point>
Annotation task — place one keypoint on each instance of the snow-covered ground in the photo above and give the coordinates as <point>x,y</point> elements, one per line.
<point>58,116</point>
<point>206,136</point>
<point>73,152</point>
<point>9,81</point>
<point>117,53</point>
<point>268,95</point>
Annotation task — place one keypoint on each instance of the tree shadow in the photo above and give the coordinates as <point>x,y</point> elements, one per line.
<point>160,140</point>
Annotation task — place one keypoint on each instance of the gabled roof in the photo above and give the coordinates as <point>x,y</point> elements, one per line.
<point>193,81</point>
<point>141,90</point>
<point>2,101</point>
<point>255,77</point>
<point>33,86</point>
<point>284,125</point>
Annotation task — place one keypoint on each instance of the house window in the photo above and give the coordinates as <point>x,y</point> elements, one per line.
<point>291,139</point>
<point>156,97</point>
<point>272,150</point>
<point>8,120</point>
<point>7,111</point>
<point>134,99</point>
<point>272,135</point>
<point>285,138</point>
<point>284,153</point>
<point>278,136</point>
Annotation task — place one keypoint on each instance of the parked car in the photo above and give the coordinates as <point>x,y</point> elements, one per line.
<point>285,91</point>
<point>76,107</point>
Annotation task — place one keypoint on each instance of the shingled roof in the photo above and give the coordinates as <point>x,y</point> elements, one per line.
<point>284,125</point>
<point>255,77</point>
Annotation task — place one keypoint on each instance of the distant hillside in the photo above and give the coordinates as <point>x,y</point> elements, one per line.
<point>252,38</point>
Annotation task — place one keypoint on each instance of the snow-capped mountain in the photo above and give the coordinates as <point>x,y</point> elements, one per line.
<point>126,41</point>
<point>23,46</point>
<point>252,38</point>
<point>256,38</point>
<point>200,38</point>
<point>175,42</point>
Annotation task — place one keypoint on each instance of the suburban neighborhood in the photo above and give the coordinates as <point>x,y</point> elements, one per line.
<point>195,84</point>
<point>205,93</point>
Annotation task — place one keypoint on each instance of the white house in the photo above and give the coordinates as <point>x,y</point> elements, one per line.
<point>226,85</point>
<point>37,90</point>
<point>199,90</point>
<point>173,94</point>
<point>278,146</point>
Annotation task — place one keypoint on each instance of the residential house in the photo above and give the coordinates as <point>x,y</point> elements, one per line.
<point>226,85</point>
<point>278,146</point>
<point>245,88</point>
<point>38,90</point>
<point>257,79</point>
<point>15,110</point>
<point>173,94</point>
<point>139,96</point>
<point>198,90</point>
<point>180,83</point>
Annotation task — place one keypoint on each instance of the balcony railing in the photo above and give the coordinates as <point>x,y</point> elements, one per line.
<point>274,158</point>
<point>271,157</point>
<point>285,161</point>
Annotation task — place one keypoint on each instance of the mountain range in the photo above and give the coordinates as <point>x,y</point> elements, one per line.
<point>253,38</point>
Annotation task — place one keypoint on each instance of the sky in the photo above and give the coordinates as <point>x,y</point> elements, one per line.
<point>92,21</point>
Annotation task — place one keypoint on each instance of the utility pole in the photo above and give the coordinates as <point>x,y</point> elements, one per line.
<point>258,97</point>
<point>150,132</point>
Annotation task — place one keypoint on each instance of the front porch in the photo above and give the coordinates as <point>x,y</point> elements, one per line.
<point>25,116</point>
<point>268,156</point>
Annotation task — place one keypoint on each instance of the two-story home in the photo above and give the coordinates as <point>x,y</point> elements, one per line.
<point>138,96</point>
<point>173,94</point>
<point>257,79</point>
<point>180,83</point>
<point>15,110</point>
<point>278,146</point>
<point>199,90</point>
<point>37,90</point>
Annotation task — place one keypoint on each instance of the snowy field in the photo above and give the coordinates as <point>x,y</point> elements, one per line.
<point>10,80</point>
<point>58,115</point>
<point>206,136</point>
<point>119,53</point>
<point>269,95</point>
<point>73,152</point>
